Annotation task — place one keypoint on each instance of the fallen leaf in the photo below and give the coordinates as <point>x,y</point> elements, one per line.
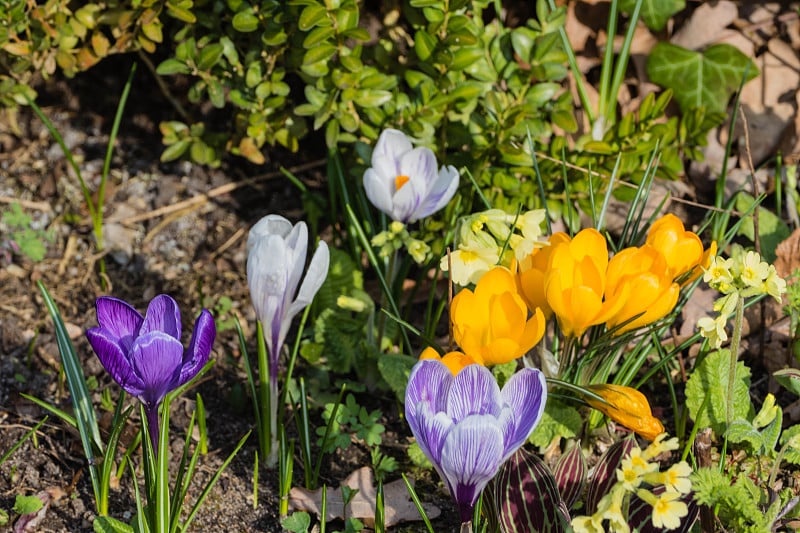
<point>787,255</point>
<point>398,505</point>
<point>705,24</point>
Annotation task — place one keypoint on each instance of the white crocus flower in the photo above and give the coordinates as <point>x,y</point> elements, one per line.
<point>403,181</point>
<point>276,259</point>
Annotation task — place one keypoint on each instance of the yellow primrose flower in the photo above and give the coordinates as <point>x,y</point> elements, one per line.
<point>713,329</point>
<point>682,249</point>
<point>575,281</point>
<point>659,446</point>
<point>468,264</point>
<point>588,524</point>
<point>531,271</point>
<point>491,325</point>
<point>668,509</point>
<point>641,272</point>
<point>628,407</point>
<point>633,469</point>
<point>676,478</point>
<point>454,361</point>
<point>613,510</point>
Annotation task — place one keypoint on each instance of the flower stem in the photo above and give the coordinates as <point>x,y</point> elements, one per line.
<point>151,411</point>
<point>735,340</point>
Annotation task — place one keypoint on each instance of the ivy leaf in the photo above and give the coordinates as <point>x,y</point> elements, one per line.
<point>710,378</point>
<point>654,13</point>
<point>298,522</point>
<point>698,79</point>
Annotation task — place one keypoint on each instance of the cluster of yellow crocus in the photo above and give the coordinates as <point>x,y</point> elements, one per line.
<point>574,278</point>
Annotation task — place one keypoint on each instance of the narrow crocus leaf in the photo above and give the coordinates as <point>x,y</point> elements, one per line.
<point>570,473</point>
<point>640,514</point>
<point>525,496</point>
<point>605,472</point>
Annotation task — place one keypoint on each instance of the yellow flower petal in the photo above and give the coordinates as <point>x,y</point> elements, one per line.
<point>628,407</point>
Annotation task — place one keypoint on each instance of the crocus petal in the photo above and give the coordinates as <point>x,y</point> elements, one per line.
<point>429,381</point>
<point>406,200</point>
<point>471,456</point>
<point>162,315</point>
<point>440,192</point>
<point>113,358</point>
<point>268,225</point>
<point>379,191</point>
<point>315,277</point>
<point>391,145</point>
<point>474,391</point>
<point>156,358</point>
<point>119,319</point>
<point>196,355</point>
<point>430,429</point>
<point>526,394</point>
<point>296,250</point>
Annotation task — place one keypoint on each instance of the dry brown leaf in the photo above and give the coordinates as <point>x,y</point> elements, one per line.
<point>398,505</point>
<point>706,24</point>
<point>787,255</point>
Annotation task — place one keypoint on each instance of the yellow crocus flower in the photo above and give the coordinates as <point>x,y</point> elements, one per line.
<point>682,249</point>
<point>628,407</point>
<point>454,361</point>
<point>531,272</point>
<point>575,280</point>
<point>491,324</point>
<point>642,272</point>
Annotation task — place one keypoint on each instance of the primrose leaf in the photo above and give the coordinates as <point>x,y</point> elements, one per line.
<point>789,379</point>
<point>654,13</point>
<point>710,379</point>
<point>558,420</point>
<point>106,524</point>
<point>743,431</point>
<point>395,369</point>
<point>698,79</point>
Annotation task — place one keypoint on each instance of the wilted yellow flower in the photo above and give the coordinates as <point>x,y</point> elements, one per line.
<point>575,281</point>
<point>682,249</point>
<point>628,407</point>
<point>491,324</point>
<point>531,271</point>
<point>454,361</point>
<point>641,272</point>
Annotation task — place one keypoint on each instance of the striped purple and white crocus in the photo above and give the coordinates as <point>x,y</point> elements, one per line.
<point>467,426</point>
<point>403,181</point>
<point>144,354</point>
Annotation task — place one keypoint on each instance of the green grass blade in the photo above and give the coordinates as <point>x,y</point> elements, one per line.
<point>162,511</point>
<point>117,425</point>
<point>251,379</point>
<point>84,411</point>
<point>63,415</point>
<point>21,441</point>
<point>417,503</point>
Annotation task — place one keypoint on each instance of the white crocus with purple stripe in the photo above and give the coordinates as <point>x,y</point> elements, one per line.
<point>467,426</point>
<point>403,181</point>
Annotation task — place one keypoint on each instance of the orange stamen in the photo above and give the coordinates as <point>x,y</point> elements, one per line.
<point>399,181</point>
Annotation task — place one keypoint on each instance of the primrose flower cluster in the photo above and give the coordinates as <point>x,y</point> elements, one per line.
<point>639,478</point>
<point>742,275</point>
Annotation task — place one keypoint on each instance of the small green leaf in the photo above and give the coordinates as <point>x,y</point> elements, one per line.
<point>27,504</point>
<point>172,66</point>
<point>700,79</point>
<point>654,13</point>
<point>318,35</point>
<point>245,21</point>
<point>209,56</point>
<point>395,369</point>
<point>175,150</point>
<point>313,15</point>
<point>319,53</point>
<point>558,419</point>
<point>297,522</point>
<point>789,379</point>
<point>424,44</point>
<point>106,524</point>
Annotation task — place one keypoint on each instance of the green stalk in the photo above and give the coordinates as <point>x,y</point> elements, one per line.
<point>735,340</point>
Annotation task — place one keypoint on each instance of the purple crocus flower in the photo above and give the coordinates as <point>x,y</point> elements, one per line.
<point>144,354</point>
<point>467,426</point>
<point>403,181</point>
